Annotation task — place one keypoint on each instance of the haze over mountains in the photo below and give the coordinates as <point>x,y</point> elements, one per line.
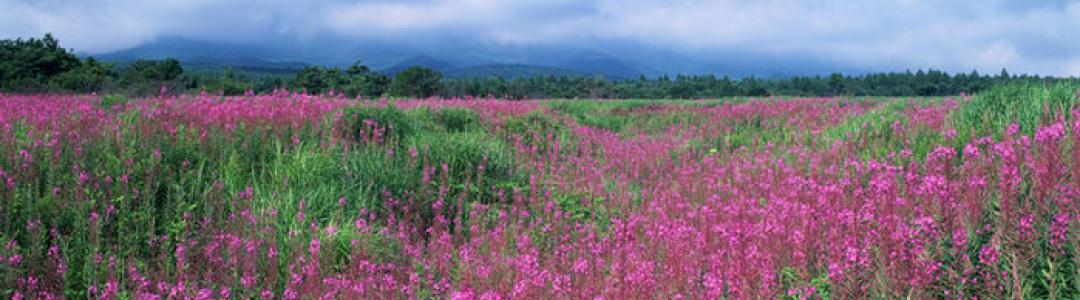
<point>626,60</point>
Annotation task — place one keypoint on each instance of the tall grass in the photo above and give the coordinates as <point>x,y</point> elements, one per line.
<point>1026,104</point>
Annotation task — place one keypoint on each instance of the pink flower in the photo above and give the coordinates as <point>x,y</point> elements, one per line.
<point>1012,129</point>
<point>988,255</point>
<point>313,248</point>
<point>1059,229</point>
<point>361,223</point>
<point>971,151</point>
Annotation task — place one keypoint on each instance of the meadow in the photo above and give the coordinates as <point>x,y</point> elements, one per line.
<point>294,196</point>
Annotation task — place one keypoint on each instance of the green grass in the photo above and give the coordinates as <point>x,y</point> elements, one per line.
<point>1026,104</point>
<point>632,116</point>
<point>454,137</point>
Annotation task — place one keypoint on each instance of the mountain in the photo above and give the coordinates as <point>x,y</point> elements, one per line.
<point>585,65</point>
<point>513,71</point>
<point>196,54</point>
<point>419,60</point>
<point>596,63</point>
<point>187,48</point>
<point>615,60</point>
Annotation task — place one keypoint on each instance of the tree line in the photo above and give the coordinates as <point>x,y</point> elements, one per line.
<point>41,65</point>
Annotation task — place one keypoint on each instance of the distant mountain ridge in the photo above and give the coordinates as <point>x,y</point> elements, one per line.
<point>510,70</point>
<point>619,61</point>
<point>205,55</point>
<point>419,60</point>
<point>513,71</point>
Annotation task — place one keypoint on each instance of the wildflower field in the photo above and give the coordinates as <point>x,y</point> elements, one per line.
<point>290,196</point>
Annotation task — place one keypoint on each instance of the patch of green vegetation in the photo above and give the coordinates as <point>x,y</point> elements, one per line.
<point>476,161</point>
<point>1028,104</point>
<point>111,102</point>
<point>632,116</point>
<point>875,131</point>
<point>875,125</point>
<point>799,287</point>
<point>535,129</point>
<point>458,119</point>
<point>750,134</point>
<point>397,123</point>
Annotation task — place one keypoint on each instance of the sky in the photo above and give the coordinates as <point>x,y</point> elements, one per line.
<point>1039,37</point>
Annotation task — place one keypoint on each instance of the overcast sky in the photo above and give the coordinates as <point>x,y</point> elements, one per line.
<point>1025,36</point>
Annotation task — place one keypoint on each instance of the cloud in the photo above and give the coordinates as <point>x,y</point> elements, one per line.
<point>952,35</point>
<point>511,22</point>
<point>99,26</point>
<point>1025,36</point>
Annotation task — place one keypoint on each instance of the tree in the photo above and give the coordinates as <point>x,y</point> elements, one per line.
<point>152,71</point>
<point>89,76</point>
<point>358,68</point>
<point>30,64</point>
<point>318,80</point>
<point>228,84</point>
<point>149,77</point>
<point>363,82</point>
<point>837,84</point>
<point>416,82</point>
<point>310,79</point>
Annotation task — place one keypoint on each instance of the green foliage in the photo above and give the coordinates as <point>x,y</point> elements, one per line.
<point>790,280</point>
<point>229,84</point>
<point>458,119</point>
<point>873,128</point>
<point>874,132</point>
<point>365,83</point>
<point>28,65</point>
<point>919,83</point>
<point>599,113</point>
<point>751,134</point>
<point>535,128</point>
<point>89,76</point>
<point>451,136</point>
<point>147,77</point>
<point>416,82</point>
<point>1027,104</point>
<point>152,71</point>
<point>630,116</point>
<point>464,152</point>
<point>394,121</point>
<point>113,101</point>
<point>583,208</point>
<point>317,80</point>
<point>357,80</point>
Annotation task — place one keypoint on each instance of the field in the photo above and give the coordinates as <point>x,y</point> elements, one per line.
<point>287,196</point>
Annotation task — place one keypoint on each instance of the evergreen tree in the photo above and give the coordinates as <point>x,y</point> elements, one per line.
<point>416,82</point>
